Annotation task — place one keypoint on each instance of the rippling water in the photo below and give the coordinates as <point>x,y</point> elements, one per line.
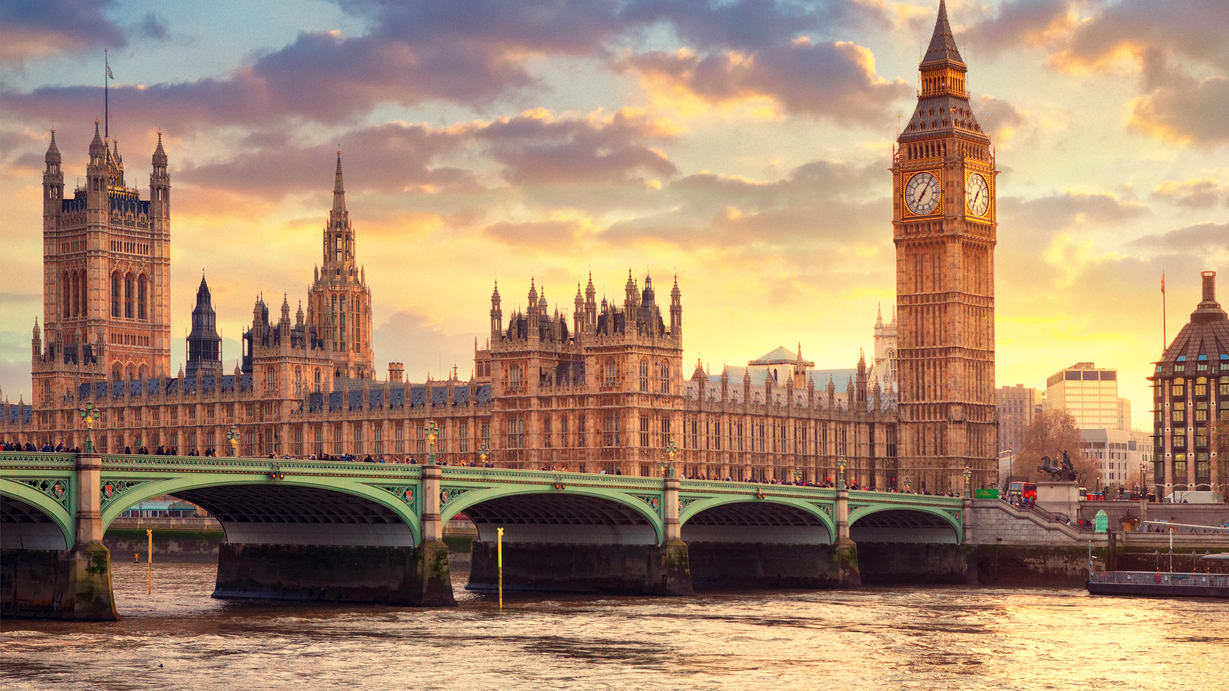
<point>900,637</point>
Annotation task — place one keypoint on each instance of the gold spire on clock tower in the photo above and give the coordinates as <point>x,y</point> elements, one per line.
<point>944,227</point>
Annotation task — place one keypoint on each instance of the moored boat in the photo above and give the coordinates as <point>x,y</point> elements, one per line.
<point>1159,583</point>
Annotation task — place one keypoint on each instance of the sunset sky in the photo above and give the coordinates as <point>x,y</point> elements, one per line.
<point>743,145</point>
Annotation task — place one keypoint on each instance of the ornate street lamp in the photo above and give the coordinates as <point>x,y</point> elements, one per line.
<point>1142,487</point>
<point>432,431</point>
<point>671,452</point>
<point>484,452</point>
<point>968,475</point>
<point>89,415</point>
<point>840,473</point>
<point>232,438</point>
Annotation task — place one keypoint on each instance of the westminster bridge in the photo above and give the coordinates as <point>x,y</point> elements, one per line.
<point>364,532</point>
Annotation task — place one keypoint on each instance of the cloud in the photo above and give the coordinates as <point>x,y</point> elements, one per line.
<point>1057,212</point>
<point>1130,28</point>
<point>422,345</point>
<point>836,81</point>
<point>1194,193</point>
<point>1000,118</point>
<point>32,29</point>
<point>1022,23</point>
<point>1185,110</point>
<point>819,203</point>
<point>531,148</point>
<point>1201,239</point>
<point>535,233</point>
<point>152,27</point>
<point>751,24</point>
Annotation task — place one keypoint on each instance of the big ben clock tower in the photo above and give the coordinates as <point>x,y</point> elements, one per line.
<point>943,190</point>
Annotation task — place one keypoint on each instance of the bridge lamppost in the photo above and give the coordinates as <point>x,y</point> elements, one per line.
<point>1143,491</point>
<point>840,473</point>
<point>484,452</point>
<point>667,466</point>
<point>968,475</point>
<point>232,438</point>
<point>89,415</point>
<point>432,431</point>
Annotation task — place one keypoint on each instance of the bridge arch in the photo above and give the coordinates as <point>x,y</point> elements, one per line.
<point>743,519</point>
<point>293,510</point>
<point>576,516</point>
<point>32,519</point>
<point>903,523</point>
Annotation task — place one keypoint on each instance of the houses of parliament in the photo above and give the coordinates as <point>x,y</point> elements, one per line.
<point>602,387</point>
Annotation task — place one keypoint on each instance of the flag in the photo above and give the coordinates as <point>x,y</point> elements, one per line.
<point>1162,281</point>
<point>109,74</point>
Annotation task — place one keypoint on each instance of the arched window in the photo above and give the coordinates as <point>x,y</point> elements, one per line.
<point>132,372</point>
<point>609,373</point>
<point>142,293</point>
<point>67,293</point>
<point>83,305</point>
<point>317,380</point>
<point>115,296</point>
<point>128,296</point>
<point>663,371</point>
<point>644,376</point>
<point>117,372</point>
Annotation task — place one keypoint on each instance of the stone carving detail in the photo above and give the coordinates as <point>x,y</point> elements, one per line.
<point>449,493</point>
<point>407,494</point>
<point>56,488</point>
<point>113,488</point>
<point>653,500</point>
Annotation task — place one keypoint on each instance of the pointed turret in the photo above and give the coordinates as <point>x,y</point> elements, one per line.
<point>53,184</point>
<point>159,157</point>
<point>878,315</point>
<point>204,344</point>
<point>53,152</point>
<point>942,48</point>
<point>339,188</point>
<point>676,310</point>
<point>98,149</point>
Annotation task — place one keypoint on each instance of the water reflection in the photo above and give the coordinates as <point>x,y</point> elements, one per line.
<point>881,637</point>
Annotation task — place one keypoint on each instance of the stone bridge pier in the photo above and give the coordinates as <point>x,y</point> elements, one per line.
<point>69,582</point>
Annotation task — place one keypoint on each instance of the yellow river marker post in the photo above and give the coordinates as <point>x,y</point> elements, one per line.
<point>499,562</point>
<point>149,574</point>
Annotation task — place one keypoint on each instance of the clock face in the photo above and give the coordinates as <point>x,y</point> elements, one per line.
<point>922,193</point>
<point>977,194</point>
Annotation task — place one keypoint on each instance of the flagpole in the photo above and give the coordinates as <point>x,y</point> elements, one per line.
<point>106,99</point>
<point>1164,319</point>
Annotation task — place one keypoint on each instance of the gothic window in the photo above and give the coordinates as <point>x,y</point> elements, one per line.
<point>142,291</point>
<point>663,372</point>
<point>665,431</point>
<point>81,303</point>
<point>115,295</point>
<point>608,373</point>
<point>116,372</point>
<point>317,380</point>
<point>644,376</point>
<point>67,292</point>
<point>580,430</point>
<point>546,432</point>
<point>132,372</point>
<point>129,297</point>
<point>644,429</point>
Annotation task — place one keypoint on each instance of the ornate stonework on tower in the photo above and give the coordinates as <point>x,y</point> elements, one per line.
<point>944,227</point>
<point>339,302</point>
<point>106,275</point>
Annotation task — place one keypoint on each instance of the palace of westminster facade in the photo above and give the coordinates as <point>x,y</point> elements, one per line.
<point>603,390</point>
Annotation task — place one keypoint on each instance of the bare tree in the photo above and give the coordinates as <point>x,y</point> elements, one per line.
<point>1049,434</point>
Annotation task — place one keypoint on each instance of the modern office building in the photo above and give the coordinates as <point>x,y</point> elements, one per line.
<point>1090,394</point>
<point>1017,406</point>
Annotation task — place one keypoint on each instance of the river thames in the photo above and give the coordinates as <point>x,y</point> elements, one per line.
<point>934,637</point>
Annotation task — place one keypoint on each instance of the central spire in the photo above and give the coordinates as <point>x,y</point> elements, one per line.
<point>339,189</point>
<point>942,44</point>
